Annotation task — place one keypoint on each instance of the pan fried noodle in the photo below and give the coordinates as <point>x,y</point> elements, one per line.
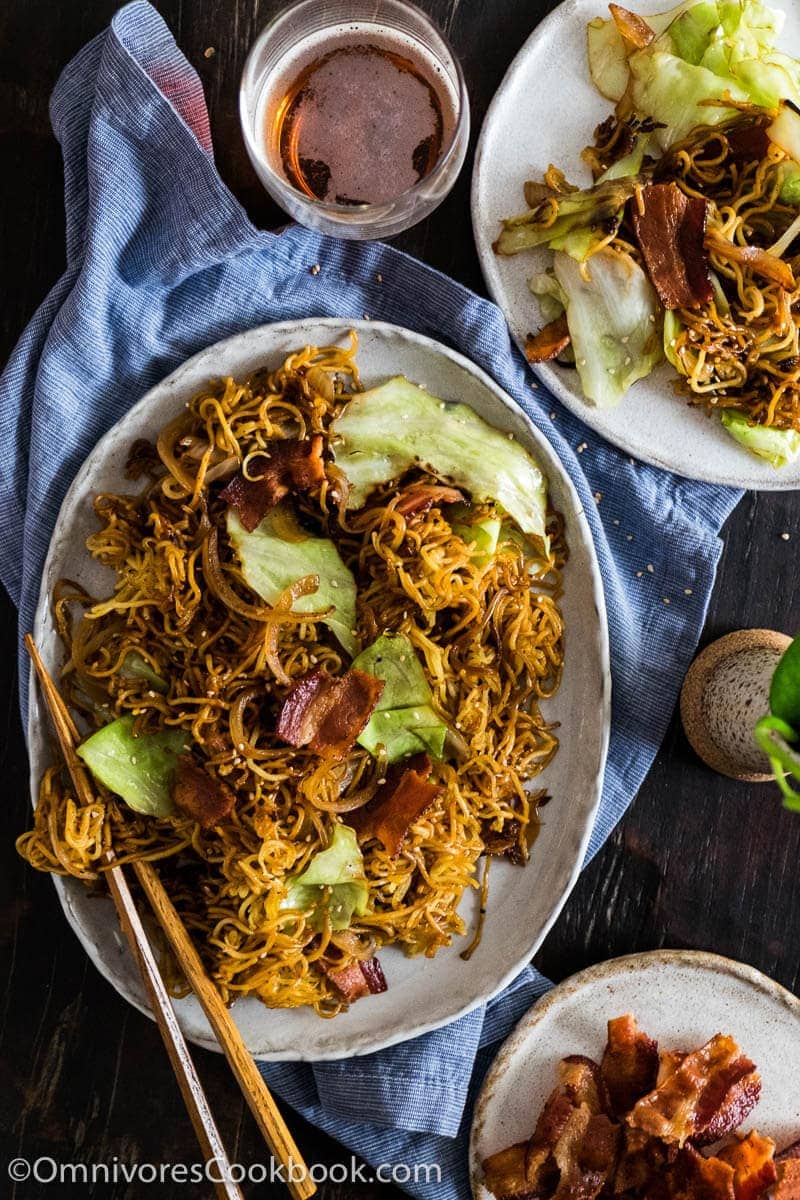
<point>487,633</point>
<point>741,349</point>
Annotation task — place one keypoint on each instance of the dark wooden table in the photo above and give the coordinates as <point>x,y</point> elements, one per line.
<point>699,861</point>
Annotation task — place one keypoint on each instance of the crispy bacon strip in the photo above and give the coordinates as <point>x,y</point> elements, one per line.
<point>292,465</point>
<point>401,800</point>
<point>326,714</point>
<point>709,1095</point>
<point>693,1177</point>
<point>670,230</point>
<point>583,1083</point>
<point>631,26</point>
<point>549,342</point>
<point>747,142</point>
<point>198,795</point>
<point>629,1066</point>
<point>421,497</point>
<point>788,1185</point>
<point>505,1174</point>
<point>641,1159</point>
<point>359,979</point>
<point>753,1162</point>
<point>586,1154</point>
<point>668,1061</point>
<point>760,261</point>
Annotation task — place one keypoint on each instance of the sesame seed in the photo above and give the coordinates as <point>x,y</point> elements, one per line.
<point>650,568</point>
<point>615,521</point>
<point>666,599</point>
<point>534,385</point>
<point>628,361</point>
<point>382,780</point>
<point>628,537</point>
<point>209,52</point>
<point>552,416</point>
<point>785,537</point>
<point>133,760</point>
<point>315,270</point>
<point>583,446</point>
<point>379,277</point>
<point>334,583</point>
<point>625,340</point>
<point>687,591</point>
<point>510,437</point>
<point>639,574</point>
<point>581,362</point>
<point>240,747</point>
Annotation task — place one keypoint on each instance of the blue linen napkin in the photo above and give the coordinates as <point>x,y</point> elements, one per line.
<point>162,261</point>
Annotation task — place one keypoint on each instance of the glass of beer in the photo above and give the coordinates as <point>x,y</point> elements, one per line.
<point>355,115</point>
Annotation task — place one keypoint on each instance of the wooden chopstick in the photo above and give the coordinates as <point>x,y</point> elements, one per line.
<point>262,1105</point>
<point>255,1091</point>
<point>194,1097</point>
<point>191,1088</point>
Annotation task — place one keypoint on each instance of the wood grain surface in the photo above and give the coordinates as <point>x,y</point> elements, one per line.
<point>699,861</point>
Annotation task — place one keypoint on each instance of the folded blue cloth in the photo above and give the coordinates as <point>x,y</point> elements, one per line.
<point>161,261</point>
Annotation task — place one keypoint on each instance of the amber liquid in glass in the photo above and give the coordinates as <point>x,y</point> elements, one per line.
<point>360,124</point>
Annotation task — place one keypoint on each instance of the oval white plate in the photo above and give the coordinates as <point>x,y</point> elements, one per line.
<point>679,997</point>
<point>545,111</point>
<point>423,994</point>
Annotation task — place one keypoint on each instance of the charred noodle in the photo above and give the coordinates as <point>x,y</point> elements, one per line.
<point>489,638</point>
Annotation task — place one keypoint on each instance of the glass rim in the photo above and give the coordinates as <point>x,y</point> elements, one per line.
<point>357,210</point>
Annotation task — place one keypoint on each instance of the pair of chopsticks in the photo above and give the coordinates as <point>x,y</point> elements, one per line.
<point>255,1091</point>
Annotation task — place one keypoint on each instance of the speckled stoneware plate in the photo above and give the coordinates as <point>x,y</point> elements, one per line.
<point>422,993</point>
<point>544,111</point>
<point>679,997</point>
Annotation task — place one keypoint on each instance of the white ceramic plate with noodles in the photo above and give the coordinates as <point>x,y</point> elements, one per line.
<point>524,902</point>
<point>679,997</point>
<point>545,111</point>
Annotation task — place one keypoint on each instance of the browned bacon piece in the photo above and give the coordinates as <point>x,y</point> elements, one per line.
<point>747,142</point>
<point>629,1066</point>
<point>788,1185</point>
<point>506,1176</point>
<point>549,342</point>
<point>198,795</point>
<point>422,496</point>
<point>403,797</point>
<point>359,979</point>
<point>753,1162</point>
<point>292,465</point>
<point>326,714</point>
<point>670,230</point>
<point>586,1154</point>
<point>693,1177</point>
<point>707,1096</point>
<point>641,1160</point>
<point>727,1101</point>
<point>668,1061</point>
<point>583,1083</point>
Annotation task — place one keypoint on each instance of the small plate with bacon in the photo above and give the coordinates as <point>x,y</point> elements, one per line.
<point>671,1074</point>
